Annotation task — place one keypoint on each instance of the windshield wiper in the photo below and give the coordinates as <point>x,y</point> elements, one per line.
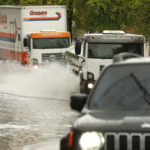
<point>146,93</point>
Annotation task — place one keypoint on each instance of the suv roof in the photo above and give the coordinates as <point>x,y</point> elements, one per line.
<point>135,60</point>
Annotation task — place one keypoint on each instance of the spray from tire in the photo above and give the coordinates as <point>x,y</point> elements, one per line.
<point>51,81</point>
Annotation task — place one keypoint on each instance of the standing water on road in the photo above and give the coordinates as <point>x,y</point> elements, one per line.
<point>34,104</point>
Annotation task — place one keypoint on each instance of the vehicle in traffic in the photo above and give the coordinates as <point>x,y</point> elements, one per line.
<point>33,34</point>
<point>96,50</point>
<point>116,114</point>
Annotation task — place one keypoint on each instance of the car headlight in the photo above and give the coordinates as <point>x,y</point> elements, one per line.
<point>91,141</point>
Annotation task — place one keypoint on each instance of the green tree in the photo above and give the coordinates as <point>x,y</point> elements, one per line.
<point>96,15</point>
<point>142,17</point>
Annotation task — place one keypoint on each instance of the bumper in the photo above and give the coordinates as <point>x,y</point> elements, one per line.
<point>64,143</point>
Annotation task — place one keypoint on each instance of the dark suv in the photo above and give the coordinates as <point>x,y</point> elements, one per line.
<point>116,114</point>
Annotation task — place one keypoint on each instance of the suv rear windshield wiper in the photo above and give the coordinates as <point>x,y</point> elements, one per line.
<point>146,93</point>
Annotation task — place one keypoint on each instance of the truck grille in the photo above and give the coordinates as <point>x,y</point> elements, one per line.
<point>127,141</point>
<point>47,58</point>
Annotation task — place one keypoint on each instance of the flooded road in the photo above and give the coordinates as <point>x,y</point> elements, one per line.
<point>34,105</point>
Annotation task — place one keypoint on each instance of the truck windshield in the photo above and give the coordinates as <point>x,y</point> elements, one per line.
<point>50,43</point>
<point>118,89</point>
<point>107,50</point>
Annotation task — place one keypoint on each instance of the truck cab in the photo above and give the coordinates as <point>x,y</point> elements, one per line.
<point>33,34</point>
<point>46,46</point>
<point>97,50</point>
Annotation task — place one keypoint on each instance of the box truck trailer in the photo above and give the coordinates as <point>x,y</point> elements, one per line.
<point>33,34</point>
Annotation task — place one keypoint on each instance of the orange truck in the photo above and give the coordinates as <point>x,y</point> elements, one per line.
<point>33,34</point>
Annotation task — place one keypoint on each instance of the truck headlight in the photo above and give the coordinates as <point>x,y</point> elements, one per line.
<point>90,85</point>
<point>91,141</point>
<point>36,67</point>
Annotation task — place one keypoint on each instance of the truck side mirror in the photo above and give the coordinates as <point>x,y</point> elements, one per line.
<point>78,47</point>
<point>25,42</point>
<point>78,101</point>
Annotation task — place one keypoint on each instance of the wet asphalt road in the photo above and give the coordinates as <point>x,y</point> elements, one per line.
<point>26,121</point>
<point>34,104</point>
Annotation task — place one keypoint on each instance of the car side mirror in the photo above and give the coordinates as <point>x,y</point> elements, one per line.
<point>78,101</point>
<point>78,47</point>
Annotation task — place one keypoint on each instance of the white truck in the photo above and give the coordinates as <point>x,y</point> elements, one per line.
<point>94,51</point>
<point>33,34</point>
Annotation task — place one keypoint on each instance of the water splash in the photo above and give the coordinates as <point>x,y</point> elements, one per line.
<point>53,80</point>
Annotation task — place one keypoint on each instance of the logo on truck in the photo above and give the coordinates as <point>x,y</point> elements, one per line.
<point>43,18</point>
<point>40,13</point>
<point>145,125</point>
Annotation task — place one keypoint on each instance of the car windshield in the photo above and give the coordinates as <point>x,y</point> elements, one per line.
<point>118,88</point>
<point>107,51</point>
<point>51,43</point>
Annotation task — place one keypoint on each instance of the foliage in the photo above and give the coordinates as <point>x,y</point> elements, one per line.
<point>104,14</point>
<point>142,17</point>
<point>97,15</point>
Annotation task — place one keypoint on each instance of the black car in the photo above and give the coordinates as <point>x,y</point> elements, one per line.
<point>116,114</point>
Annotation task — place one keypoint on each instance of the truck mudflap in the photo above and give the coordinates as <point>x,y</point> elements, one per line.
<point>86,86</point>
